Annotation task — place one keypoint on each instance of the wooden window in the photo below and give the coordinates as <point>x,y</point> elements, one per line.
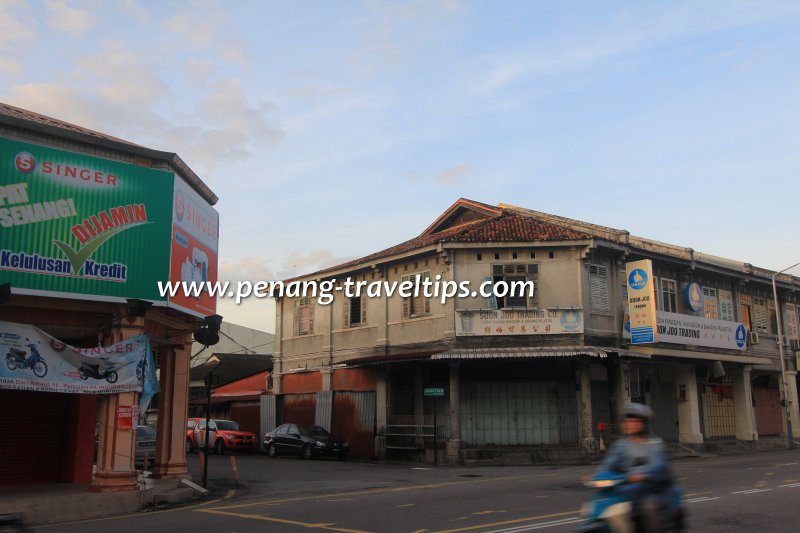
<point>745,303</point>
<point>303,317</point>
<point>419,305</point>
<point>669,296</point>
<point>710,302</point>
<point>516,273</point>
<point>598,288</point>
<point>355,311</point>
<point>726,306</point>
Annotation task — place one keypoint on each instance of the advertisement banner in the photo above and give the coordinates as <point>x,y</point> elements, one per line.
<point>72,224</point>
<point>33,360</point>
<point>641,301</point>
<point>195,236</point>
<point>125,417</point>
<point>701,331</point>
<point>519,322</point>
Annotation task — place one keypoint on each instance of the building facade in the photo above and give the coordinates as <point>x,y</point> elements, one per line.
<point>545,373</point>
<point>88,225</point>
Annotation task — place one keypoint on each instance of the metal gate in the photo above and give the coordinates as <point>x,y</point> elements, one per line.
<point>518,412</point>
<point>297,409</point>
<point>665,409</point>
<point>769,419</point>
<point>718,411</point>
<point>354,421</point>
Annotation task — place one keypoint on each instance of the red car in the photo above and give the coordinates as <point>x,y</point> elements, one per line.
<point>223,435</point>
<point>190,425</point>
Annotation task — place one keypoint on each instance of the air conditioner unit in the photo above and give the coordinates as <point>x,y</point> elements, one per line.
<point>794,344</point>
<point>752,337</point>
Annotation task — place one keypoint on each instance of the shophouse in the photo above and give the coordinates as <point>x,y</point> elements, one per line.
<point>89,225</point>
<point>545,373</point>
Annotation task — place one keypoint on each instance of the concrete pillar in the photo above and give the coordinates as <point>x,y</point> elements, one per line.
<point>794,408</point>
<point>327,378</point>
<point>116,447</point>
<point>743,406</point>
<point>688,406</point>
<point>621,392</point>
<point>454,442</point>
<point>586,434</point>
<point>381,411</point>
<point>173,407</point>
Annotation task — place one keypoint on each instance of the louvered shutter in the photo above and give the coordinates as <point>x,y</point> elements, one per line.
<point>296,319</point>
<point>598,288</point>
<point>347,312</point>
<point>491,300</point>
<point>363,310</point>
<point>406,301</point>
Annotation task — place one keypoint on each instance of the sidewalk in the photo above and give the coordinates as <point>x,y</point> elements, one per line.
<point>50,504</point>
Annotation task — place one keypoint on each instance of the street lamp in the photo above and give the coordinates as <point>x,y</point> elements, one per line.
<point>786,404</point>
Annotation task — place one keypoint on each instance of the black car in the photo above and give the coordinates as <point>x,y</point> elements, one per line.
<point>304,441</point>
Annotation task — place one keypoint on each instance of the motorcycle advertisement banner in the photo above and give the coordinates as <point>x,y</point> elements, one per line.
<point>33,360</point>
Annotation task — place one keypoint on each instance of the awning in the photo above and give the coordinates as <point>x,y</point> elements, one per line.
<point>707,356</point>
<point>225,398</point>
<point>523,352</point>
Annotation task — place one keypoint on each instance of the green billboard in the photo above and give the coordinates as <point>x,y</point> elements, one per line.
<point>78,225</point>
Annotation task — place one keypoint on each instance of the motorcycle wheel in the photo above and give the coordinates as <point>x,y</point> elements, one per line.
<point>112,376</point>
<point>40,369</point>
<point>12,363</point>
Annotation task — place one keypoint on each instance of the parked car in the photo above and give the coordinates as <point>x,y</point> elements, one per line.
<point>304,441</point>
<point>191,423</point>
<point>145,444</point>
<point>223,435</point>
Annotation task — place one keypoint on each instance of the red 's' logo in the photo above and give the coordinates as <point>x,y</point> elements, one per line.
<point>25,162</point>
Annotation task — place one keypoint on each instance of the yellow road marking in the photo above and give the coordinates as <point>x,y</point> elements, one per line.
<point>341,500</point>
<point>791,480</point>
<point>328,527</point>
<point>368,492</point>
<point>478,513</point>
<point>420,531</point>
<point>770,473</point>
<point>506,522</point>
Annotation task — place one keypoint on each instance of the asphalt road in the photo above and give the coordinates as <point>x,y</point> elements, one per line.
<point>728,493</point>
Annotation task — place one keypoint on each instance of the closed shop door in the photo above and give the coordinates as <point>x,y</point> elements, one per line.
<point>34,436</point>
<point>769,416</point>
<point>248,414</point>
<point>354,421</point>
<point>518,412</point>
<point>665,409</point>
<point>718,411</point>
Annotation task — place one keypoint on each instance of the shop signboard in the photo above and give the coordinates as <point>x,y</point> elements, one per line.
<point>33,360</point>
<point>195,234</point>
<point>490,322</point>
<point>641,301</point>
<point>125,417</point>
<point>74,225</point>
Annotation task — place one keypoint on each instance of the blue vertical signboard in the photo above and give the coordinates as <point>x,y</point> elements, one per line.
<point>641,302</point>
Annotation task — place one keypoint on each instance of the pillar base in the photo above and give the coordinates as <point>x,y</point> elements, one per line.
<point>453,452</point>
<point>115,482</point>
<point>170,471</point>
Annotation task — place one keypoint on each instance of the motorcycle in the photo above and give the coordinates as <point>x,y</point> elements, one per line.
<point>92,370</point>
<point>612,507</point>
<point>15,358</point>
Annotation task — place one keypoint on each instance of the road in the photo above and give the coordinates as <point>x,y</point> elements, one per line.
<point>726,493</point>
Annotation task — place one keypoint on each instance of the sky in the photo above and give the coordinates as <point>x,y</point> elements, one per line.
<point>334,129</point>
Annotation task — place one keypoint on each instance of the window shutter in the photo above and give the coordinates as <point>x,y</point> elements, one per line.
<point>726,306</point>
<point>296,319</point>
<point>347,312</point>
<point>598,288</point>
<point>491,300</point>
<point>760,309</point>
<point>406,301</point>
<point>363,310</point>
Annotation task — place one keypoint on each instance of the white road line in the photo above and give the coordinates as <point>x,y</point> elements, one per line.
<point>539,525</point>
<point>751,491</point>
<point>788,464</point>
<point>790,485</point>
<point>701,499</point>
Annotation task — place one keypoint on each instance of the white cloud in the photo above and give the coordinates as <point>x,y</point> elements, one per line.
<point>453,175</point>
<point>64,18</point>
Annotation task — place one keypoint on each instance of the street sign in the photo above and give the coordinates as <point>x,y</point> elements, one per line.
<point>434,391</point>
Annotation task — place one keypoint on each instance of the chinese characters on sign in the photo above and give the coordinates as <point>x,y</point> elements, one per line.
<point>641,302</point>
<point>519,322</point>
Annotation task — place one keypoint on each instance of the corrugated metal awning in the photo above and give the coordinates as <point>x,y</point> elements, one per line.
<point>522,352</point>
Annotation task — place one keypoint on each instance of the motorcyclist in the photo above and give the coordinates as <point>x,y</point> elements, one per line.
<point>641,457</point>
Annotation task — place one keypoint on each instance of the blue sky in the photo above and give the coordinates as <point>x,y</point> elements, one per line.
<point>333,129</point>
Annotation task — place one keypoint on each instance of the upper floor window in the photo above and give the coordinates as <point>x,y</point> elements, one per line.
<point>355,311</point>
<point>669,296</point>
<point>760,314</point>
<point>598,289</point>
<point>416,304</point>
<point>745,306</point>
<point>726,306</point>
<point>710,302</point>
<point>516,277</point>
<point>303,316</point>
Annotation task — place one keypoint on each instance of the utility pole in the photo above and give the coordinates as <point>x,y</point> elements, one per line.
<point>209,383</point>
<point>786,402</point>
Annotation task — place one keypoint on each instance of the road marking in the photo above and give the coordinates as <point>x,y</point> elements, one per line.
<point>368,492</point>
<point>790,485</point>
<point>478,513</point>
<point>407,505</point>
<point>788,464</point>
<point>540,525</point>
<point>507,522</point>
<point>328,527</point>
<point>703,499</point>
<point>696,493</point>
<point>420,531</point>
<point>421,468</point>
<point>341,500</point>
<point>750,491</point>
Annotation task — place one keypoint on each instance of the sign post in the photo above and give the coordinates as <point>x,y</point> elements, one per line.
<point>641,302</point>
<point>435,392</point>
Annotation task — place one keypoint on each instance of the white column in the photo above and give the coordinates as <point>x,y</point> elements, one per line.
<point>743,406</point>
<point>688,406</point>
<point>794,408</point>
<point>454,443</point>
